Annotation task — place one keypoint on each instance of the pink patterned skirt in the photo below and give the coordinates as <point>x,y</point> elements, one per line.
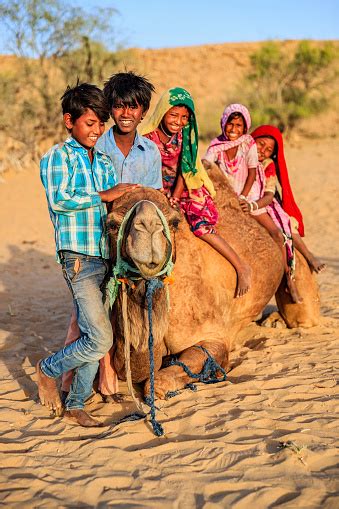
<point>201,214</point>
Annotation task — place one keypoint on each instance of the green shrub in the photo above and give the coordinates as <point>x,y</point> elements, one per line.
<point>282,88</point>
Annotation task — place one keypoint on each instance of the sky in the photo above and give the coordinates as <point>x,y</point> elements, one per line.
<point>161,24</point>
<point>170,23</point>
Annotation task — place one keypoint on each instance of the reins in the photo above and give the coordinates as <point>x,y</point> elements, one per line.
<point>124,274</point>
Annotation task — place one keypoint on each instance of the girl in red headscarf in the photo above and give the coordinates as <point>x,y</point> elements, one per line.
<point>283,218</point>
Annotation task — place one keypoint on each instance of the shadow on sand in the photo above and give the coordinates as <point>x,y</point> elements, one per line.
<point>34,312</point>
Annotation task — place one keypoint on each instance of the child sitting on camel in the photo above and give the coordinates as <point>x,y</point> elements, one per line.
<point>283,211</point>
<point>173,128</point>
<point>235,152</point>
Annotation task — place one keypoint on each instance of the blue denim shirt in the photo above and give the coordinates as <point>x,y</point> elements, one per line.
<point>142,165</point>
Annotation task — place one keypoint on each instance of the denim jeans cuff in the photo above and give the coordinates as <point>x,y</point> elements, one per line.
<point>76,407</point>
<point>44,372</point>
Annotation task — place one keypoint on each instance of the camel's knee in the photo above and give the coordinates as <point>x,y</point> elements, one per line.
<point>219,351</point>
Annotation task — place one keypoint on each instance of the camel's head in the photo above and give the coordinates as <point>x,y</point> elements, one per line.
<point>147,234</point>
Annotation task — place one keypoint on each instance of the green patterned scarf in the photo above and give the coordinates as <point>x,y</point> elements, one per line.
<point>194,173</point>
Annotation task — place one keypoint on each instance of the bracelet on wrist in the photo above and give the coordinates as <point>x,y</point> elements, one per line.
<point>253,206</point>
<point>242,197</point>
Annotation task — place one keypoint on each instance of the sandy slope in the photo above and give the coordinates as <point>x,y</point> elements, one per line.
<point>221,447</point>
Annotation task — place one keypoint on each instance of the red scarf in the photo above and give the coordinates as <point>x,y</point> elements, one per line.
<point>288,202</point>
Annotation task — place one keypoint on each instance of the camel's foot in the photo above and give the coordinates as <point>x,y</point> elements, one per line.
<point>274,320</point>
<point>82,418</point>
<point>174,378</point>
<point>169,379</point>
<point>48,391</point>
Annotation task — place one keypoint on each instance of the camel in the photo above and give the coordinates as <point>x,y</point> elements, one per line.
<point>203,310</point>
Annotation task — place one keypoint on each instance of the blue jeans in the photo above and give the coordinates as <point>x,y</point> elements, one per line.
<point>86,278</point>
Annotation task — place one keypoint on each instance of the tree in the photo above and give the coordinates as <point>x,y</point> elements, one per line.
<point>46,34</point>
<point>283,88</point>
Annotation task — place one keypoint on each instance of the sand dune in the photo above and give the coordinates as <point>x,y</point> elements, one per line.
<point>265,438</point>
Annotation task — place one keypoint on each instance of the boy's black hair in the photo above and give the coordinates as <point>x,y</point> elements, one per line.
<point>237,114</point>
<point>76,100</point>
<point>129,89</point>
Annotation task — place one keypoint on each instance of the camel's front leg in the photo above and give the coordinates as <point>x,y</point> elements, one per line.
<point>174,378</point>
<point>139,362</point>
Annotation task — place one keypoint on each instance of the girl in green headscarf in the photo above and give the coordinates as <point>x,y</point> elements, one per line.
<point>173,128</point>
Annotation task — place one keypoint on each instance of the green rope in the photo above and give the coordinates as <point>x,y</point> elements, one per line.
<point>122,267</point>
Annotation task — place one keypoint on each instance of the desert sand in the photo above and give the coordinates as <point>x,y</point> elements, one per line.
<point>224,444</point>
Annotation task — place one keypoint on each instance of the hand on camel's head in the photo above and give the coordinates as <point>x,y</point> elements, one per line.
<point>123,204</point>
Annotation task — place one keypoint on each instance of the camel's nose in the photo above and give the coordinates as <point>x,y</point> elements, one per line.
<point>147,219</point>
<point>149,225</point>
<point>146,242</point>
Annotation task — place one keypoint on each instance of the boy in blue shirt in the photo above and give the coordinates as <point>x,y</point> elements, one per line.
<point>136,159</point>
<point>79,180</point>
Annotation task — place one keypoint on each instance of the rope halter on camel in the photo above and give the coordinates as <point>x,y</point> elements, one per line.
<point>120,271</point>
<point>122,268</point>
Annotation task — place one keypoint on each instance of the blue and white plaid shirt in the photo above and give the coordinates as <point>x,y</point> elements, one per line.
<point>75,207</point>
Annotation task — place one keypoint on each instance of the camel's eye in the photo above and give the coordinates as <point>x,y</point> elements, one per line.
<point>174,224</point>
<point>113,227</point>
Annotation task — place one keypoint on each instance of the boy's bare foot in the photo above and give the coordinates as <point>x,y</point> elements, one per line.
<point>316,264</point>
<point>82,418</point>
<point>48,391</point>
<point>113,398</point>
<point>244,275</point>
<point>292,290</point>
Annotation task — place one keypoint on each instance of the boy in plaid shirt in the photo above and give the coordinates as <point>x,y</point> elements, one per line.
<point>79,180</point>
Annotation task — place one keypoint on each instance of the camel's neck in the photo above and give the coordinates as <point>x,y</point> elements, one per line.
<point>133,315</point>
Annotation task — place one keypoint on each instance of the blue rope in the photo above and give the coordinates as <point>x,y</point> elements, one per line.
<point>130,417</point>
<point>191,387</point>
<point>152,285</point>
<point>209,372</point>
<point>172,394</point>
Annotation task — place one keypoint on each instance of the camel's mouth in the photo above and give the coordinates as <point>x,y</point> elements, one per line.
<point>153,266</point>
<point>149,270</point>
